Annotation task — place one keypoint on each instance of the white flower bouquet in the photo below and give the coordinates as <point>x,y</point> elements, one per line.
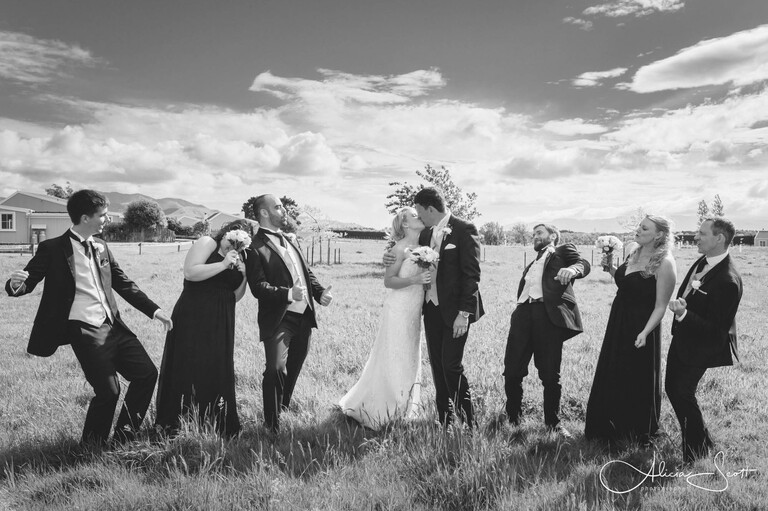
<point>240,240</point>
<point>426,258</point>
<point>607,245</point>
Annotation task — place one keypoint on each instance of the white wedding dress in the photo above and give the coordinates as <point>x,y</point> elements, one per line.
<point>390,385</point>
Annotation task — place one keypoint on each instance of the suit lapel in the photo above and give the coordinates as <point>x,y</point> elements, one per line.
<point>269,243</point>
<point>69,254</point>
<point>684,284</point>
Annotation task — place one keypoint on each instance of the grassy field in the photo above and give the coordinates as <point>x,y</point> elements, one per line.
<point>322,461</point>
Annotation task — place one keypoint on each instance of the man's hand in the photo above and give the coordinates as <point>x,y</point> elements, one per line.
<point>565,275</point>
<point>166,320</point>
<point>298,293</point>
<point>460,326</point>
<point>327,297</point>
<point>18,278</point>
<point>678,306</point>
<point>388,259</point>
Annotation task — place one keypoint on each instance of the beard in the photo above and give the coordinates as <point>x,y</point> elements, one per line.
<point>539,244</point>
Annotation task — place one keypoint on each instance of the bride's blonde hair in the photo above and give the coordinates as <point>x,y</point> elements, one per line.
<point>398,223</point>
<point>661,246</point>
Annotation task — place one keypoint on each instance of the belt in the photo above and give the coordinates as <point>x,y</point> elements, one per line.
<point>533,300</point>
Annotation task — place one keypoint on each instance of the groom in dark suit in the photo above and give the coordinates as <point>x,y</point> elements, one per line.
<point>287,290</point>
<point>703,331</point>
<point>545,317</point>
<point>78,307</point>
<point>452,302</point>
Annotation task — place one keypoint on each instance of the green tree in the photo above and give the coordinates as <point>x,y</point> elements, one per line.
<point>201,228</point>
<point>703,211</point>
<point>461,204</point>
<point>144,214</point>
<point>62,192</point>
<point>717,206</point>
<point>492,233</point>
<point>519,234</point>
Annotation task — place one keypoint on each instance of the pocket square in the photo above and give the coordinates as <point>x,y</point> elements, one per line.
<point>104,262</point>
<point>449,246</point>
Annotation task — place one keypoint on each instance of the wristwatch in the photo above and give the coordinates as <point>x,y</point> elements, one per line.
<point>464,314</point>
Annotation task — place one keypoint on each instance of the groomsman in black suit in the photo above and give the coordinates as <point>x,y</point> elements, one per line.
<point>545,317</point>
<point>287,290</point>
<point>703,331</point>
<point>78,307</point>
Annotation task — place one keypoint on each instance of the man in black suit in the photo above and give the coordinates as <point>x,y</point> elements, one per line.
<point>286,289</point>
<point>545,317</point>
<point>452,302</point>
<point>78,307</point>
<point>703,331</point>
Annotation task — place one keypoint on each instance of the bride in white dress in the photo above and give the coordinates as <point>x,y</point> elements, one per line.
<point>390,385</point>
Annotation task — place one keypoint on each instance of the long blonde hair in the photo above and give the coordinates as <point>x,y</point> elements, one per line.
<point>398,224</point>
<point>661,247</point>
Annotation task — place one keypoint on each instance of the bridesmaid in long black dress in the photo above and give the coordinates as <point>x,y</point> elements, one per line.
<point>197,375</point>
<point>625,401</point>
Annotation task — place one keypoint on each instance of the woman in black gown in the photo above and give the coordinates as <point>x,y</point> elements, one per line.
<point>625,400</point>
<point>197,375</point>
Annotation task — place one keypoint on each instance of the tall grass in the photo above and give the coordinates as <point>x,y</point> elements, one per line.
<point>322,460</point>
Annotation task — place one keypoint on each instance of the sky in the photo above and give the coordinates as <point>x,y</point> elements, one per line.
<point>574,112</point>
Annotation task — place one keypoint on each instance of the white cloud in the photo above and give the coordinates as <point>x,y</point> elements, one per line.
<point>636,8</point>
<point>26,59</point>
<point>573,127</point>
<point>593,78</point>
<point>582,24</point>
<point>738,59</point>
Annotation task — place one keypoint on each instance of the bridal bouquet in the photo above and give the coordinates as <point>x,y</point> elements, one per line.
<point>606,245</point>
<point>426,258</point>
<point>240,240</point>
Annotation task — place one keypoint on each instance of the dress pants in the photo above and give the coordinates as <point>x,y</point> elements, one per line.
<point>285,352</point>
<point>682,381</point>
<point>452,392</point>
<point>532,334</point>
<point>103,353</point>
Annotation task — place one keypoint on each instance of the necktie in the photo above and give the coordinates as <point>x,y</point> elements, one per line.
<point>700,266</point>
<point>540,254</point>
<point>88,248</point>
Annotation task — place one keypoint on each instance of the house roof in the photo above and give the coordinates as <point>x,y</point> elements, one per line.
<point>761,234</point>
<point>48,198</point>
<point>13,208</point>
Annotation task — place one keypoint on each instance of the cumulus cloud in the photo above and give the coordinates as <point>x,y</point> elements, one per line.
<point>549,163</point>
<point>594,78</point>
<point>573,127</point>
<point>581,23</point>
<point>738,59</point>
<point>26,59</point>
<point>338,86</point>
<point>635,8</point>
<point>759,190</point>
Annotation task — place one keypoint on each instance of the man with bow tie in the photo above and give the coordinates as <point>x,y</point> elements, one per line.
<point>703,331</point>
<point>546,315</point>
<point>78,307</point>
<point>280,279</point>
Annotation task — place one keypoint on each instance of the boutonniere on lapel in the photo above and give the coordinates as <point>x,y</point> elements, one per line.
<point>696,285</point>
<point>290,237</point>
<point>100,249</point>
<point>446,231</point>
<point>549,250</point>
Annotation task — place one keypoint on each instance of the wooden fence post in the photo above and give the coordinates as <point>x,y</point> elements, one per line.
<point>329,252</point>
<point>139,248</point>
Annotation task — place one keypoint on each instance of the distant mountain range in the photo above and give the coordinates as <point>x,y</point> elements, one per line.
<point>180,207</point>
<point>118,202</point>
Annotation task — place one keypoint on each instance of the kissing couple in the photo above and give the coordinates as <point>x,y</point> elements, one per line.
<point>448,297</point>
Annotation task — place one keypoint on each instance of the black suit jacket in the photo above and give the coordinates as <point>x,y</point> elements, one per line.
<point>706,337</point>
<point>270,281</point>
<point>560,300</point>
<point>458,270</point>
<point>54,261</point>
